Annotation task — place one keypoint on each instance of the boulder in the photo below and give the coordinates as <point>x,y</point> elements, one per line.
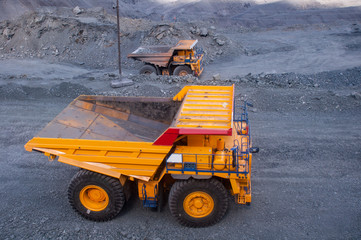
<point>356,95</point>
<point>216,77</point>
<point>123,82</point>
<point>203,32</point>
<point>220,42</point>
<point>8,33</point>
<point>77,10</point>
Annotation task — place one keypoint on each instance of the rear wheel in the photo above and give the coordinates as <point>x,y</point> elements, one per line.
<point>95,196</point>
<point>182,70</point>
<point>198,203</point>
<point>147,69</point>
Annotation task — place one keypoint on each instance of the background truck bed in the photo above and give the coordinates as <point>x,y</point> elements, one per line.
<point>160,55</point>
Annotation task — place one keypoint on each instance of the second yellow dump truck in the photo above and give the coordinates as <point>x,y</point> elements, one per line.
<point>179,60</point>
<point>190,144</point>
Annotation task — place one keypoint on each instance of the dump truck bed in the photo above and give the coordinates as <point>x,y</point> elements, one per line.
<point>110,135</point>
<point>160,55</point>
<point>132,135</point>
<point>113,118</point>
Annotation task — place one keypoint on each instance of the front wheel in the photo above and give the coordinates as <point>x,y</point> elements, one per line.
<point>95,196</point>
<point>198,203</point>
<point>182,70</point>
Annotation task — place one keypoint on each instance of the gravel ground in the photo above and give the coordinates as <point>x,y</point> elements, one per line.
<point>306,181</point>
<point>297,62</point>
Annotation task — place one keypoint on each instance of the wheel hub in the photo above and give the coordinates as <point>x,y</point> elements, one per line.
<point>96,195</point>
<point>183,73</point>
<point>94,198</point>
<point>198,204</point>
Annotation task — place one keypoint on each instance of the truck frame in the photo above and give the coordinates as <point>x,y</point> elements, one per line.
<point>190,145</point>
<point>180,60</point>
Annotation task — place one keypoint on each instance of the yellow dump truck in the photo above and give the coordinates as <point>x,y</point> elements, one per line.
<point>179,60</point>
<point>190,145</point>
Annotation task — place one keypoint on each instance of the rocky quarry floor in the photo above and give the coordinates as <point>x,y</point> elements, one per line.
<point>298,62</point>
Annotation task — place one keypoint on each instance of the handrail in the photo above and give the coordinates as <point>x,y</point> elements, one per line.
<point>211,167</point>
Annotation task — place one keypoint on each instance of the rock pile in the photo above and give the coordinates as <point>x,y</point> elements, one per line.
<point>164,79</point>
<point>89,37</point>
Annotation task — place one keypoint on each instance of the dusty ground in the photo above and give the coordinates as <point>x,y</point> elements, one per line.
<point>299,64</point>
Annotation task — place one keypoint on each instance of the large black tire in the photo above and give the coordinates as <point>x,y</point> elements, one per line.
<point>190,202</point>
<point>182,70</point>
<point>95,196</point>
<point>147,69</point>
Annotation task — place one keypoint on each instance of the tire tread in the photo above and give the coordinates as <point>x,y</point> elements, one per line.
<point>178,188</point>
<point>113,183</point>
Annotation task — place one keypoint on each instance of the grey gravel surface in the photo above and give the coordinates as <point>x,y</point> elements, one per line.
<point>297,62</point>
<point>306,178</point>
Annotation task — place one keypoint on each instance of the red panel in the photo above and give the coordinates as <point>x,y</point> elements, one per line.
<point>168,137</point>
<point>171,134</point>
<point>172,130</point>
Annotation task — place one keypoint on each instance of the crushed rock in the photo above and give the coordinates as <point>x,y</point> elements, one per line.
<point>69,90</point>
<point>17,91</point>
<point>89,36</point>
<point>164,79</point>
<point>349,78</point>
<point>64,89</point>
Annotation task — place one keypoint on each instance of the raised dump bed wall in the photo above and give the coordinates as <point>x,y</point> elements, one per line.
<point>113,118</point>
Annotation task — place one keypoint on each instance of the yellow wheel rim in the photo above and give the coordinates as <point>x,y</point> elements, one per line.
<point>183,73</point>
<point>198,204</point>
<point>94,198</point>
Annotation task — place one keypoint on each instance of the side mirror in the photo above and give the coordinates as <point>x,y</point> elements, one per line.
<point>254,150</point>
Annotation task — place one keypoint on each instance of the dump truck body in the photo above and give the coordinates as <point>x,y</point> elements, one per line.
<point>180,59</point>
<point>157,143</point>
